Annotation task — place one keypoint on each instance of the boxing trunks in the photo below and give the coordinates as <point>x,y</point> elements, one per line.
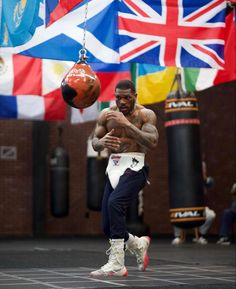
<point>119,163</point>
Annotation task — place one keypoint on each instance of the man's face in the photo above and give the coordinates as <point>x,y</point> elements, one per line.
<point>125,100</point>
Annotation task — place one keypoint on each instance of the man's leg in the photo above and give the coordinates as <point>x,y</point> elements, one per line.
<point>128,188</point>
<point>115,203</point>
<point>129,185</point>
<point>115,265</point>
<point>210,217</point>
<point>105,216</point>
<point>177,233</point>
<point>229,217</point>
<point>203,229</point>
<point>139,247</point>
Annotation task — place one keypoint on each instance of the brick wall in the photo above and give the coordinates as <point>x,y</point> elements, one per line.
<point>16,179</point>
<point>217,114</point>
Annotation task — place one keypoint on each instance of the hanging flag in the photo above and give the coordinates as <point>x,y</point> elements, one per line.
<point>176,33</point>
<point>109,75</point>
<point>63,39</point>
<point>55,9</point>
<point>89,114</point>
<point>33,107</point>
<point>30,87</point>
<point>153,83</point>
<point>17,21</point>
<point>84,115</point>
<point>194,79</point>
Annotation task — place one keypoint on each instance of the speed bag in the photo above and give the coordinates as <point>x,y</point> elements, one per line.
<point>96,168</point>
<point>80,87</point>
<point>186,190</point>
<point>59,182</point>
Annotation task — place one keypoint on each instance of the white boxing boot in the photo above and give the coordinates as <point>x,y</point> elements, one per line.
<point>139,247</point>
<point>115,265</point>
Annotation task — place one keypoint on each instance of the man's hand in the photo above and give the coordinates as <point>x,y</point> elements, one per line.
<point>110,142</point>
<point>118,117</point>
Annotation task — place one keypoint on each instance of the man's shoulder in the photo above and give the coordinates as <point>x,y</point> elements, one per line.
<point>139,107</point>
<point>144,110</point>
<point>147,115</point>
<point>113,108</point>
<point>102,114</point>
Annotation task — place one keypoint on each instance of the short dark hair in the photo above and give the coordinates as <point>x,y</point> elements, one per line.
<point>126,84</point>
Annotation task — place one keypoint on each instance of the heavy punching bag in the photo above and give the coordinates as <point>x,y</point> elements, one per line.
<point>184,159</point>
<point>80,87</point>
<point>135,214</point>
<point>96,168</point>
<point>59,182</point>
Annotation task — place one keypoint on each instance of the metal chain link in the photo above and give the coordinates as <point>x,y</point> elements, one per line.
<point>85,23</point>
<point>82,52</point>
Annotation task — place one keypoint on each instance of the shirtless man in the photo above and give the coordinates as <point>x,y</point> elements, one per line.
<point>127,130</point>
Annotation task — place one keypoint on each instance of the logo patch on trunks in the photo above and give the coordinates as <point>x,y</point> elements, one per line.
<point>134,162</point>
<point>115,160</point>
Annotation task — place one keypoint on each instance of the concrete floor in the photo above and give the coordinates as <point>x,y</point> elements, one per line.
<point>65,263</point>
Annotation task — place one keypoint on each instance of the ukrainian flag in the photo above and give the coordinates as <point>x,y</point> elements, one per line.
<point>153,83</point>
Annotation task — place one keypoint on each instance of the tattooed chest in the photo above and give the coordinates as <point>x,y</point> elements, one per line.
<point>120,131</point>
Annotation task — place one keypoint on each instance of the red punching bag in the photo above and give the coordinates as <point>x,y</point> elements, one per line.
<point>80,87</point>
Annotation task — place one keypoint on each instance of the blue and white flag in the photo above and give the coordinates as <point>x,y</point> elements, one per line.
<point>17,21</point>
<point>63,39</point>
<point>179,33</point>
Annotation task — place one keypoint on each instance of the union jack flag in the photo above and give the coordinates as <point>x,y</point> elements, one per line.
<point>181,33</point>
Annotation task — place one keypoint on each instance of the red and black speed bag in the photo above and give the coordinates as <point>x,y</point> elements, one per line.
<point>80,87</point>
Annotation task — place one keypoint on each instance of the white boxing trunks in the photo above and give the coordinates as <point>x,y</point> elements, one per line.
<point>118,163</point>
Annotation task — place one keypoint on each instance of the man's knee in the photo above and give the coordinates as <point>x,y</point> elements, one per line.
<point>212,215</point>
<point>113,203</point>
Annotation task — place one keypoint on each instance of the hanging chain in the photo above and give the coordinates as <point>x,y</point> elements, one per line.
<point>82,52</point>
<point>85,24</point>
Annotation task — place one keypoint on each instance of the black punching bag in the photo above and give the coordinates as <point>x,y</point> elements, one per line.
<point>96,168</point>
<point>184,159</point>
<point>59,182</point>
